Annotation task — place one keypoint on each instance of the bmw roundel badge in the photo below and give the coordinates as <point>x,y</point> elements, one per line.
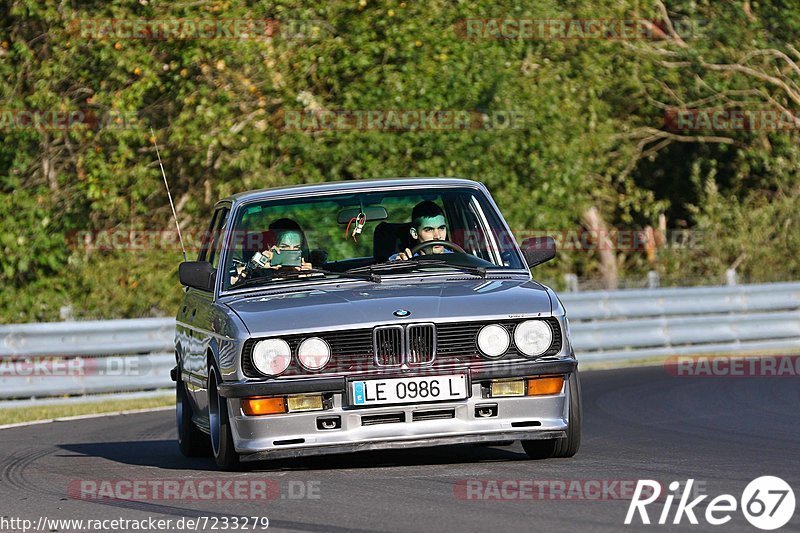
<point>402,313</point>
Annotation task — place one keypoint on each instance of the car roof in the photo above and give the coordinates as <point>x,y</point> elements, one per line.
<point>349,185</point>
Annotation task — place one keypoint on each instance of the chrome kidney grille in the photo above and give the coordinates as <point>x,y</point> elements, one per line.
<point>414,344</point>
<point>389,345</point>
<point>420,344</point>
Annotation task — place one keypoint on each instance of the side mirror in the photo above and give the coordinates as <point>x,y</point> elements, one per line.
<point>197,274</point>
<point>538,250</point>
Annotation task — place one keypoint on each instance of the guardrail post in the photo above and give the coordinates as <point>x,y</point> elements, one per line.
<point>65,312</point>
<point>653,280</point>
<point>572,282</point>
<point>731,278</point>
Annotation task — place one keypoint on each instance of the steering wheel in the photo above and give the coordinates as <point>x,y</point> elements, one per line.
<point>446,244</point>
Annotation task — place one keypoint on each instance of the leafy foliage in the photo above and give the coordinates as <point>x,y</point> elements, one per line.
<point>593,132</point>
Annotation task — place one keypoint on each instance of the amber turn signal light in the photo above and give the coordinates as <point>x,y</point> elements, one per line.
<point>541,386</point>
<point>263,406</point>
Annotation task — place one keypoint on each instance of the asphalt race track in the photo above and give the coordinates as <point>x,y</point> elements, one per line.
<point>639,423</point>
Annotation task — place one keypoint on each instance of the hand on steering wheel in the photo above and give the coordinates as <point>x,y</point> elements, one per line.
<point>446,244</point>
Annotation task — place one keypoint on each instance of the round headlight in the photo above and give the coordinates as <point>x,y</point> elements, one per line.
<point>493,340</point>
<point>272,356</point>
<point>533,337</point>
<point>314,353</point>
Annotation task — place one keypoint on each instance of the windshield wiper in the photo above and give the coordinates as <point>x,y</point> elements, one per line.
<point>396,265</point>
<point>414,263</point>
<point>289,273</point>
<point>346,274</point>
<point>249,282</point>
<point>478,271</point>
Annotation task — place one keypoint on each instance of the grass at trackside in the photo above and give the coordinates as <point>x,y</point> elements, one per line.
<point>14,415</point>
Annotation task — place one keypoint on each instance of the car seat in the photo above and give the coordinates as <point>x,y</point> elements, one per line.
<point>390,238</point>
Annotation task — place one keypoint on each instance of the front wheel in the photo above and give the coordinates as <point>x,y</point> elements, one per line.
<point>219,423</point>
<point>567,446</point>
<point>191,441</point>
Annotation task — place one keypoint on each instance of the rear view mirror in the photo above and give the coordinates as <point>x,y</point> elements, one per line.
<point>538,250</point>
<point>197,274</point>
<point>373,212</point>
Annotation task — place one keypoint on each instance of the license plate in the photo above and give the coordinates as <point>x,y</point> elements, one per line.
<point>408,390</point>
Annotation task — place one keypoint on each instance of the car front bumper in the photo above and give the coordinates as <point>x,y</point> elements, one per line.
<point>298,434</point>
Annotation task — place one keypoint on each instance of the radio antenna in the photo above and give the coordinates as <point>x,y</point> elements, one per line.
<point>169,195</point>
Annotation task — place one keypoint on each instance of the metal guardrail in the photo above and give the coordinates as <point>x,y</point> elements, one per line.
<point>85,357</point>
<point>597,305</point>
<point>136,355</point>
<point>98,337</point>
<point>639,324</point>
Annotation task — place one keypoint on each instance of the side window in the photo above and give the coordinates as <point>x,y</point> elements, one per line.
<point>207,237</point>
<point>500,244</point>
<point>482,240</point>
<point>466,228</point>
<point>215,247</point>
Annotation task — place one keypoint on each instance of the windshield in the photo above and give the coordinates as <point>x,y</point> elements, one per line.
<point>349,234</point>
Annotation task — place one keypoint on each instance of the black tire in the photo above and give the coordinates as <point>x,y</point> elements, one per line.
<point>564,447</point>
<point>191,441</point>
<point>219,423</point>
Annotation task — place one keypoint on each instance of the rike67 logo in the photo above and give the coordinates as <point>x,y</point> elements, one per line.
<point>767,503</point>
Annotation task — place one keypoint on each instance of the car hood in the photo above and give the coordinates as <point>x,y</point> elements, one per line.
<point>358,305</point>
